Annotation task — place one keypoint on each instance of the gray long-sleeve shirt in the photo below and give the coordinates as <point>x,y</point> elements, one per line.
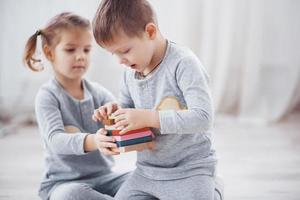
<point>64,152</point>
<point>183,143</point>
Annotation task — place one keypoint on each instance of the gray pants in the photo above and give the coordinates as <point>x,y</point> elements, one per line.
<point>137,187</point>
<point>98,188</point>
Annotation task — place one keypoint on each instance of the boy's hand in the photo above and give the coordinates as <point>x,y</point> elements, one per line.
<point>105,143</point>
<point>130,119</point>
<point>104,111</point>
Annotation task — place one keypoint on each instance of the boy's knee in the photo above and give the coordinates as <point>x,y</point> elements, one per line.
<point>70,191</point>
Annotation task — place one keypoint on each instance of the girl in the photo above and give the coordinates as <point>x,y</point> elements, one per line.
<point>75,169</point>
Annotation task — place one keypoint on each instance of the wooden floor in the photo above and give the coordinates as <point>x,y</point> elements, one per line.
<point>255,162</point>
<point>259,162</point>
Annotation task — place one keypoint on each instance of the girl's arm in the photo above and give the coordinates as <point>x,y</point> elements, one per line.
<point>51,126</point>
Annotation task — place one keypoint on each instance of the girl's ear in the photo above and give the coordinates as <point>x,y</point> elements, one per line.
<point>151,30</point>
<point>48,53</point>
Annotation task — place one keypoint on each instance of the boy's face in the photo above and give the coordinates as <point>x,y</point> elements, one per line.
<point>134,52</point>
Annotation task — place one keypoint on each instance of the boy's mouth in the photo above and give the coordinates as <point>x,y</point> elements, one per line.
<point>133,66</point>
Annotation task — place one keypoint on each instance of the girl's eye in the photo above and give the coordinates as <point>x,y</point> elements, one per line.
<point>70,50</point>
<point>87,50</point>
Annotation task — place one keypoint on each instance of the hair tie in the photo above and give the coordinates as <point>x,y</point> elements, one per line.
<point>38,32</point>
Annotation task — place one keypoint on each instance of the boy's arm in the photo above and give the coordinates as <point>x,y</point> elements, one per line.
<point>193,82</point>
<point>129,119</point>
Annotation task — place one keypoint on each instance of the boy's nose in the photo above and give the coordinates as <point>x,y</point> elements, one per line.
<point>122,61</point>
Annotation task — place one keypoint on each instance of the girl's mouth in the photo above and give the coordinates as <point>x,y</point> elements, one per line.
<point>78,67</point>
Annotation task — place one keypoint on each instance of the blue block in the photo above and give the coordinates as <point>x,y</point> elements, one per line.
<point>134,141</point>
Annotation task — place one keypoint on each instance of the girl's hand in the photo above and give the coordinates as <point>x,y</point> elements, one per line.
<point>105,143</point>
<point>131,119</point>
<point>104,111</point>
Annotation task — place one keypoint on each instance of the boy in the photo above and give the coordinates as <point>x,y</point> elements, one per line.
<point>182,164</point>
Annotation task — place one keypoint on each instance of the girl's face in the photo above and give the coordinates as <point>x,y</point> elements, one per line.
<point>71,56</point>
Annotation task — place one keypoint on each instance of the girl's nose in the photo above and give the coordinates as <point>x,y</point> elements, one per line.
<point>80,56</point>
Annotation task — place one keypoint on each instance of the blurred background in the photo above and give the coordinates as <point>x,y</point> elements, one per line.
<point>251,50</point>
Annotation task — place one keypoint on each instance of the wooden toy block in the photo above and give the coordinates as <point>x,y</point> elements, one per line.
<point>110,120</point>
<point>116,132</point>
<point>134,141</point>
<point>135,147</point>
<point>133,136</point>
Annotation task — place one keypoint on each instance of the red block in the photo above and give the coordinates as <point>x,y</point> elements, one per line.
<point>117,132</point>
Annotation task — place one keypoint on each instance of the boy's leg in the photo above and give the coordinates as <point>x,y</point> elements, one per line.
<point>200,187</point>
<point>110,183</point>
<point>136,188</point>
<point>77,191</point>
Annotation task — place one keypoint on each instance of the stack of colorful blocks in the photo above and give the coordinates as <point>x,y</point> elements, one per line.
<point>134,140</point>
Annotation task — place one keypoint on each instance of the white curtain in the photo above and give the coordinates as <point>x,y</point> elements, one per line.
<point>252,52</point>
<point>251,49</point>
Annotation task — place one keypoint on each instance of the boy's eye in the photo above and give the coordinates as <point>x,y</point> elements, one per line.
<point>126,51</point>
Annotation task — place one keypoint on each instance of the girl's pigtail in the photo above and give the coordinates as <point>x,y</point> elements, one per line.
<point>30,49</point>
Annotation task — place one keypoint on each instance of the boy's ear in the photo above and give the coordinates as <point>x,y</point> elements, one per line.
<point>48,53</point>
<point>151,30</point>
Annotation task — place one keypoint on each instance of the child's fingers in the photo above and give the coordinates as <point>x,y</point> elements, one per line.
<point>107,145</point>
<point>117,150</point>
<point>115,107</point>
<point>97,115</point>
<point>104,138</point>
<point>103,111</point>
<point>120,118</point>
<point>121,124</point>
<point>108,152</point>
<point>119,112</point>
<point>106,142</point>
<point>109,109</point>
<point>94,118</point>
<point>126,129</point>
<point>101,136</point>
<point>102,131</point>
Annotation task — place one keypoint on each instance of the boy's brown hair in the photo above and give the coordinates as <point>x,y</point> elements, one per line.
<point>130,16</point>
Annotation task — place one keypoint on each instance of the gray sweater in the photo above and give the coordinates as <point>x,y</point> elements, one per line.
<point>64,153</point>
<point>183,143</point>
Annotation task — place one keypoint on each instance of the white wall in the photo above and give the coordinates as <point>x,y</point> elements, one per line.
<point>20,19</point>
<point>249,48</point>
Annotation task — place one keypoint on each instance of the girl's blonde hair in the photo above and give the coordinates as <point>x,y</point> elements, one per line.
<point>50,36</point>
